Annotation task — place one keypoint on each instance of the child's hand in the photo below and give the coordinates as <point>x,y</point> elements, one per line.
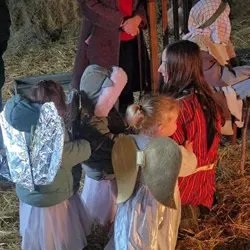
<point>188,146</point>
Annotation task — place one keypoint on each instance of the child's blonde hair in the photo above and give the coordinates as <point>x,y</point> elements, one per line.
<point>150,113</point>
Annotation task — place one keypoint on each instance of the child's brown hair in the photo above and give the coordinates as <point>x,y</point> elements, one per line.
<point>50,91</point>
<point>149,114</point>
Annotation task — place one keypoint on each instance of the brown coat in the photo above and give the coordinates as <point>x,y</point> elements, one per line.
<point>213,72</point>
<point>101,24</point>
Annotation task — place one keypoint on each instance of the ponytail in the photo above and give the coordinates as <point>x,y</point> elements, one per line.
<point>150,113</point>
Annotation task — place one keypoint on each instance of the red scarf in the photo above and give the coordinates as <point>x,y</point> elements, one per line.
<point>126,8</point>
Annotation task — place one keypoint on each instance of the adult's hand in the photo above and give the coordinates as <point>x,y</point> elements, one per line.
<point>131,25</point>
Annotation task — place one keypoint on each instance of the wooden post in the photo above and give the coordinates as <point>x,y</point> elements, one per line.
<point>244,138</point>
<point>176,20</point>
<point>185,15</point>
<point>164,6</point>
<point>153,41</point>
<point>234,136</point>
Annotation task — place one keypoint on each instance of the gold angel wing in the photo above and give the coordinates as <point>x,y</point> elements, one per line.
<point>124,163</point>
<point>162,166</point>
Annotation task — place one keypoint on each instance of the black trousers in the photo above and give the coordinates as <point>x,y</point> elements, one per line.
<point>129,61</point>
<point>3,47</point>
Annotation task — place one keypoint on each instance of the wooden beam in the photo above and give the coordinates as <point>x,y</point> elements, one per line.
<point>244,138</point>
<point>185,15</point>
<point>176,20</point>
<point>164,7</point>
<point>153,41</point>
<point>234,136</point>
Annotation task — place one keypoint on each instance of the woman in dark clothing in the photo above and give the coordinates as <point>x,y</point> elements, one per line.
<point>4,37</point>
<point>111,34</point>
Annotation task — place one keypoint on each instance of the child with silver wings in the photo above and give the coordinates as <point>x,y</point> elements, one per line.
<point>41,161</point>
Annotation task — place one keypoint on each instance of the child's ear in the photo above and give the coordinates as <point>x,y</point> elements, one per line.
<point>160,129</point>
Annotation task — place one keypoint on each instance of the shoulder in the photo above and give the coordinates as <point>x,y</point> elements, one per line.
<point>115,122</point>
<point>188,101</point>
<point>188,106</point>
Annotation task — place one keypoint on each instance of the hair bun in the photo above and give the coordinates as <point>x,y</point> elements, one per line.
<point>135,116</point>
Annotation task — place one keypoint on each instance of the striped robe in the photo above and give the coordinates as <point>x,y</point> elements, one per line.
<point>198,188</point>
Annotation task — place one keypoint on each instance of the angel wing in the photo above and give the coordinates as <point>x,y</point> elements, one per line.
<point>160,161</point>
<point>124,155</point>
<point>162,166</point>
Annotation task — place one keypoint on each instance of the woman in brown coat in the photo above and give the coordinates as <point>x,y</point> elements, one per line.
<point>111,34</point>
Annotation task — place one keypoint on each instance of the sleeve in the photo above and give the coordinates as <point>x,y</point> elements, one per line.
<point>101,124</point>
<point>75,152</point>
<point>179,135</point>
<point>141,11</point>
<point>230,50</point>
<point>189,162</point>
<point>81,60</point>
<point>101,15</point>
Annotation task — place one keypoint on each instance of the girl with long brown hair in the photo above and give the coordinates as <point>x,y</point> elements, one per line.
<point>199,120</point>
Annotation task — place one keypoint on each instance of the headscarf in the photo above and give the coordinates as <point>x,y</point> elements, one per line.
<point>103,87</point>
<point>214,38</point>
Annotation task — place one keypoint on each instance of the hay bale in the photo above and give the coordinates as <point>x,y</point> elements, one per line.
<point>35,22</point>
<point>9,220</point>
<point>240,24</point>
<point>228,224</point>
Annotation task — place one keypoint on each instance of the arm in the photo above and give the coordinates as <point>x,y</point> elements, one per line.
<point>230,50</point>
<point>189,162</point>
<point>100,124</point>
<point>132,25</point>
<point>231,54</point>
<point>101,15</point>
<point>141,11</point>
<point>75,152</point>
<point>179,135</point>
<point>81,60</point>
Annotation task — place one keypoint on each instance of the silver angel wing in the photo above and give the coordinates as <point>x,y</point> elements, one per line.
<point>39,163</point>
<point>17,154</point>
<point>47,145</point>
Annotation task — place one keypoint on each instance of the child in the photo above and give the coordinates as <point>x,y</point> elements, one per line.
<point>100,122</point>
<point>52,215</point>
<point>142,222</point>
<point>199,120</point>
<point>231,84</point>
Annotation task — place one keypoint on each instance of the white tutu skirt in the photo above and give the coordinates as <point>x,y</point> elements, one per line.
<point>100,198</point>
<point>141,223</point>
<point>61,227</point>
